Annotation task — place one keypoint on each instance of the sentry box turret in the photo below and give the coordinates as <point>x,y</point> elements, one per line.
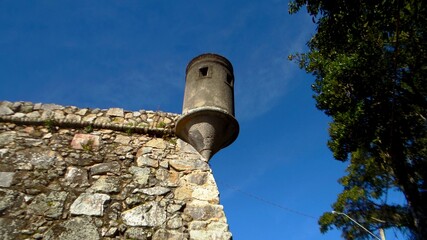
<point>207,122</point>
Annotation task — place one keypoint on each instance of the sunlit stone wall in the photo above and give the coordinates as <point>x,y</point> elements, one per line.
<point>70,173</point>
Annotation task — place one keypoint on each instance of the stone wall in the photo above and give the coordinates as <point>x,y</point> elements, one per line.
<point>70,173</point>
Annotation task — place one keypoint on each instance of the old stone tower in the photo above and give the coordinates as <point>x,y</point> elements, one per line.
<point>208,122</point>
<point>79,173</point>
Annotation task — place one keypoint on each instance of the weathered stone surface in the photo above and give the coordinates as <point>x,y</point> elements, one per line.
<point>153,191</point>
<point>89,204</point>
<point>175,207</point>
<point>58,115</point>
<point>79,159</point>
<point>7,199</point>
<point>184,192</point>
<point>106,184</point>
<point>73,118</point>
<point>206,193</point>
<point>43,160</point>
<point>136,233</point>
<point>143,150</point>
<point>7,137</point>
<point>156,143</point>
<point>5,111</point>
<point>3,152</point>
<point>34,114</point>
<point>150,215</point>
<point>198,177</point>
<point>133,200</point>
<point>101,120</point>
<point>175,223</point>
<point>26,108</point>
<point>77,228</point>
<point>48,205</point>
<point>124,149</point>
<point>143,161</point>
<point>110,232</point>
<point>173,179</point>
<point>218,226</point>
<point>122,139</point>
<point>47,136</point>
<point>85,141</point>
<point>128,115</point>
<point>141,175</point>
<point>102,168</point>
<point>47,115</point>
<point>6,179</point>
<point>76,176</point>
<point>182,164</point>
<point>198,225</point>
<point>19,115</point>
<point>162,234</point>
<point>89,117</point>
<point>9,228</point>
<point>82,111</point>
<point>204,211</point>
<point>51,107</point>
<point>116,112</point>
<point>209,235</point>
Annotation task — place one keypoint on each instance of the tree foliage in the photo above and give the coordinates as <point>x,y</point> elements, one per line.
<point>369,62</point>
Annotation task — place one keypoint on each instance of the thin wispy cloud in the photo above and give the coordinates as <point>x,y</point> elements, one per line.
<point>262,86</point>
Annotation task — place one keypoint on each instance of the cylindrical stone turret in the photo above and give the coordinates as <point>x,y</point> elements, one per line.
<point>208,122</point>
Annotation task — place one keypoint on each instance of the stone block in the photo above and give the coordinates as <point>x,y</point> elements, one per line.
<point>43,160</point>
<point>209,235</point>
<point>156,143</point>
<point>122,139</point>
<point>203,212</point>
<point>106,184</point>
<point>76,175</point>
<point>186,164</point>
<point>144,161</point>
<point>140,174</point>
<point>7,137</point>
<point>8,227</point>
<point>149,215</point>
<point>6,179</point>
<point>162,234</point>
<point>116,112</point>
<point>7,199</point>
<point>5,111</point>
<point>51,107</point>
<point>73,229</point>
<point>85,141</point>
<point>89,204</point>
<point>73,118</point>
<point>48,205</point>
<point>154,191</point>
<point>103,168</point>
<point>136,233</point>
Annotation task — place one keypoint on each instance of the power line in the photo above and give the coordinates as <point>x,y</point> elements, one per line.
<point>267,201</point>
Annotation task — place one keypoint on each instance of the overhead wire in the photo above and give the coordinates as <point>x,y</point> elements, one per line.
<point>268,202</point>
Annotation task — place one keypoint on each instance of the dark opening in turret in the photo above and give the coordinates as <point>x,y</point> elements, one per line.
<point>203,71</point>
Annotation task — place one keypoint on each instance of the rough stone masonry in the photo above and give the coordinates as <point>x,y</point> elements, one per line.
<point>70,173</point>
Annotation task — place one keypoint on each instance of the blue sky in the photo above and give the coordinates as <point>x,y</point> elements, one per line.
<point>277,178</point>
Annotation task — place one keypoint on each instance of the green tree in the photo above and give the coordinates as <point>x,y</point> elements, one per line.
<point>368,58</point>
<point>364,198</point>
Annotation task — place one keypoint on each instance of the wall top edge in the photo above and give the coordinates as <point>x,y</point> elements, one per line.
<point>142,121</point>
